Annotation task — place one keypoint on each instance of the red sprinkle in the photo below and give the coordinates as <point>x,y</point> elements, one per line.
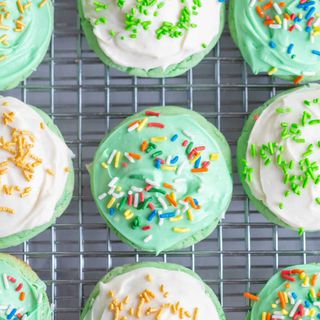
<point>285,274</point>
<point>148,187</point>
<point>19,287</point>
<point>161,160</point>
<point>141,196</point>
<point>298,79</point>
<point>184,143</point>
<point>156,124</point>
<point>12,279</point>
<point>310,21</point>
<point>192,154</point>
<point>125,164</point>
<point>256,117</point>
<point>130,199</point>
<point>145,228</point>
<point>151,206</point>
<point>205,164</point>
<point>152,113</point>
<point>292,28</point>
<point>200,148</point>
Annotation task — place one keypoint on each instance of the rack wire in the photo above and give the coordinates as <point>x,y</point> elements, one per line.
<point>86,99</point>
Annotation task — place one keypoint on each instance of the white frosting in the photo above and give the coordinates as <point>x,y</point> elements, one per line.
<point>267,183</point>
<point>146,52</point>
<point>38,207</point>
<point>180,286</point>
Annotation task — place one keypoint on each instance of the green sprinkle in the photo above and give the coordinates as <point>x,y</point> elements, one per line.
<point>253,150</point>
<point>315,121</point>
<point>189,147</point>
<point>281,205</point>
<point>307,103</point>
<point>160,5</point>
<point>267,162</point>
<point>286,194</point>
<point>122,203</point>
<point>318,200</point>
<point>317,100</point>
<point>204,45</point>
<point>157,190</point>
<point>112,33</point>
<point>136,223</point>
<point>300,232</point>
<point>283,110</point>
<point>270,147</point>
<point>299,140</point>
<point>144,204</point>
<point>101,20</point>
<point>156,154</point>
<point>137,176</point>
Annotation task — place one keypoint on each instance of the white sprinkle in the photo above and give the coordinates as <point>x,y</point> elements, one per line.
<point>298,27</point>
<point>5,281</point>
<point>113,182</point>
<point>183,202</point>
<point>312,38</point>
<point>118,195</point>
<point>136,189</point>
<point>3,307</point>
<point>252,3</point>
<point>161,220</point>
<point>133,127</point>
<point>179,171</point>
<point>294,309</point>
<point>9,309</point>
<point>151,182</point>
<point>316,303</point>
<point>148,238</point>
<point>188,134</point>
<point>277,8</point>
<point>25,317</point>
<point>275,26</point>
<point>178,212</point>
<point>136,200</point>
<point>317,23</point>
<point>168,159</point>
<point>113,153</point>
<point>274,317</point>
<point>308,73</point>
<point>102,196</point>
<point>185,208</point>
<point>20,310</point>
<point>179,180</point>
<point>127,155</point>
<point>40,298</point>
<point>285,24</point>
<point>163,203</point>
<point>111,190</point>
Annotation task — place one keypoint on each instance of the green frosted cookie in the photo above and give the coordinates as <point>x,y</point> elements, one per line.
<point>22,293</point>
<point>152,38</point>
<point>162,179</point>
<point>25,33</point>
<point>279,37</point>
<point>37,175</point>
<point>290,294</point>
<point>278,158</point>
<point>152,289</point>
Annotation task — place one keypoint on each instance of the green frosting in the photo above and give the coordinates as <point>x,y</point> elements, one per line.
<point>35,303</point>
<point>242,147</point>
<point>20,237</point>
<point>213,197</point>
<point>253,38</point>
<point>172,71</point>
<point>159,265</point>
<point>25,49</point>
<point>299,288</point>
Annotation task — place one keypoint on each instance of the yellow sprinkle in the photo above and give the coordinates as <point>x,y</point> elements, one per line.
<point>25,192</point>
<point>3,4</point>
<point>313,293</point>
<point>111,294</point>
<point>119,188</point>
<point>284,312</point>
<point>42,3</point>
<point>117,159</point>
<point>277,18</point>
<point>195,314</point>
<point>4,27</point>
<point>51,172</point>
<point>42,125</point>
<point>5,104</point>
<point>273,306</point>
<point>302,275</point>
<point>142,124</point>
<point>27,6</point>
<point>190,215</point>
<point>306,281</point>
<point>158,139</point>
<point>111,202</point>
<point>67,169</point>
<point>181,230</point>
<point>126,300</point>
<point>7,210</point>
<point>128,214</point>
<point>312,312</point>
<point>194,159</point>
<point>214,156</point>
<point>20,6</point>
<point>104,165</point>
<point>166,167</point>
<point>175,219</point>
<point>3,38</point>
<point>149,278</point>
<point>272,71</point>
<point>285,297</point>
<point>131,312</point>
<point>3,57</point>
<point>264,316</point>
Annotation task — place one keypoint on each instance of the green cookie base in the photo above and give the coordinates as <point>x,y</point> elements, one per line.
<point>235,36</point>
<point>32,277</point>
<point>172,71</point>
<point>63,203</point>
<point>241,154</point>
<point>226,153</point>
<point>25,73</point>
<point>159,265</point>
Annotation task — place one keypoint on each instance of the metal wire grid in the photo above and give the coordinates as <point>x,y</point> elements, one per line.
<point>86,99</point>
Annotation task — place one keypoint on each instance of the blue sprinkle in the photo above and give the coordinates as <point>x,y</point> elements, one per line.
<point>167,215</point>
<point>272,44</point>
<point>308,29</point>
<point>174,160</point>
<point>310,13</point>
<point>222,1</point>
<point>158,163</point>
<point>318,315</point>
<point>290,48</point>
<point>174,137</point>
<point>307,304</point>
<point>197,163</point>
<point>316,52</point>
<point>11,314</point>
<point>297,19</point>
<point>294,295</point>
<point>112,211</point>
<point>196,201</point>
<point>152,215</point>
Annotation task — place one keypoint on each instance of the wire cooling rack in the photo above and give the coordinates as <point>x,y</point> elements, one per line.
<point>86,99</point>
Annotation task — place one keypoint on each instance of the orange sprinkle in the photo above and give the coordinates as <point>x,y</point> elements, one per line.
<point>287,285</point>
<point>192,203</point>
<point>144,146</point>
<point>282,4</point>
<point>296,271</point>
<point>268,316</point>
<point>42,3</point>
<point>171,200</point>
<point>250,296</point>
<point>260,12</point>
<point>268,22</point>
<point>318,294</point>
<point>133,123</point>
<point>199,170</point>
<point>314,279</point>
<point>135,155</point>
<point>22,296</point>
<point>287,16</point>
<point>298,79</point>
<point>168,185</point>
<point>282,300</point>
<point>268,5</point>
